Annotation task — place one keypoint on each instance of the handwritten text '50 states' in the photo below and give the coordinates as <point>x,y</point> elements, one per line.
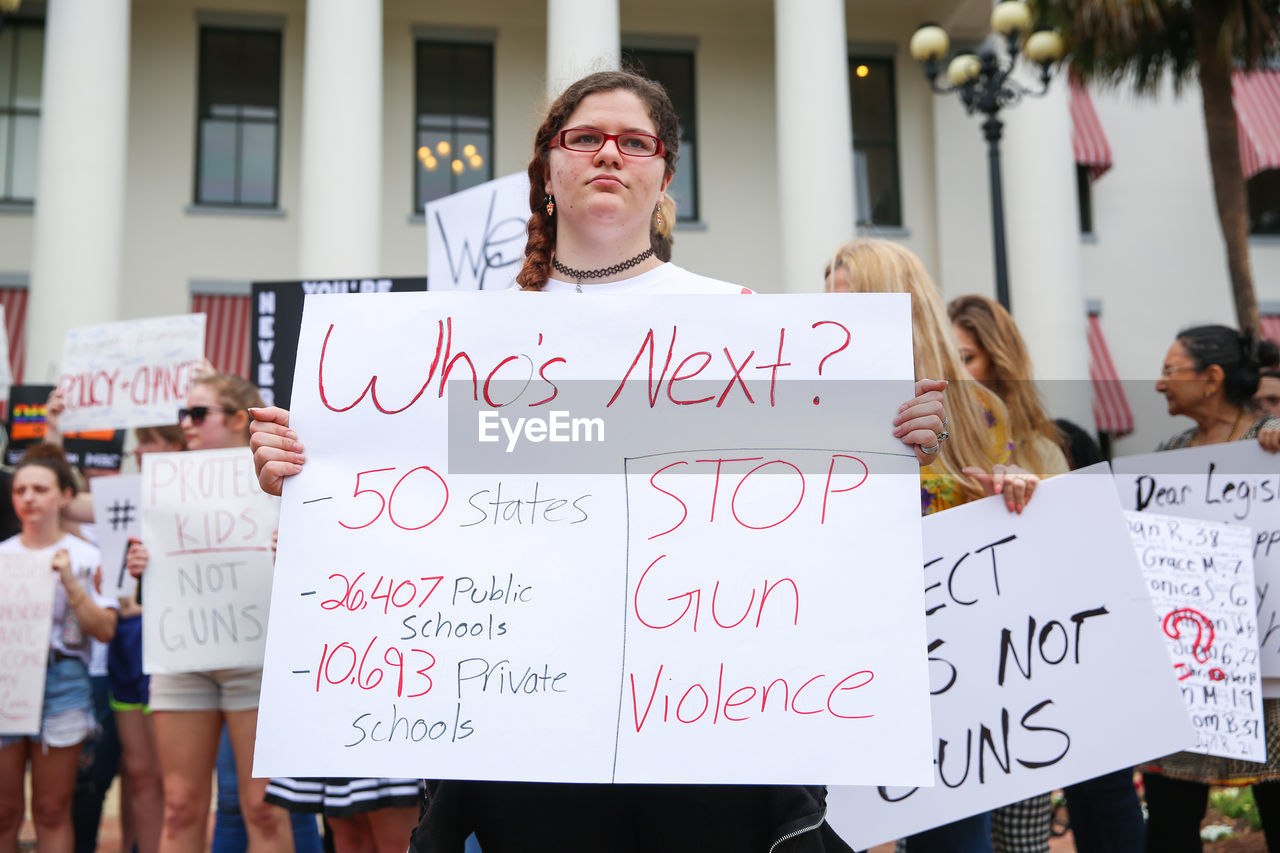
<point>538,386</point>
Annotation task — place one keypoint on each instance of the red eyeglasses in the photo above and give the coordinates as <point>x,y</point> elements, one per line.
<point>585,140</point>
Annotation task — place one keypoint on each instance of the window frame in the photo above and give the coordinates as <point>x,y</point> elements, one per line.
<point>689,163</point>
<point>1273,177</point>
<point>240,29</point>
<point>885,58</point>
<point>453,40</point>
<point>16,23</point>
<point>1084,199</point>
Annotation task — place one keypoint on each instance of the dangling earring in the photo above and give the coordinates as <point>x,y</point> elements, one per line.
<point>551,205</point>
<point>657,214</point>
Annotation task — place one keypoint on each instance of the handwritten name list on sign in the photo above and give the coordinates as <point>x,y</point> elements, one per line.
<point>207,526</point>
<point>1200,577</point>
<point>26,620</point>
<point>677,547</point>
<point>130,374</point>
<point>1036,637</point>
<point>1236,483</point>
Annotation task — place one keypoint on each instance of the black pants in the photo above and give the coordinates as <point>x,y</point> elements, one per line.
<point>1175,809</point>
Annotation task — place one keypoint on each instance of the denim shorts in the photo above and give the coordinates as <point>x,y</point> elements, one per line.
<point>67,717</point>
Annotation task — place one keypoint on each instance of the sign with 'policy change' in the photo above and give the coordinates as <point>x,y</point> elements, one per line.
<point>653,539</point>
<point>134,373</point>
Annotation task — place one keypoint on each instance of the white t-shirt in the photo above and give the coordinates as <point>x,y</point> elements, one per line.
<point>85,560</point>
<point>667,278</point>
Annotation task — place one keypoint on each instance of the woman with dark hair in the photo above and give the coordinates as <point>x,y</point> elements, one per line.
<point>42,487</point>
<point>602,160</point>
<point>1210,374</point>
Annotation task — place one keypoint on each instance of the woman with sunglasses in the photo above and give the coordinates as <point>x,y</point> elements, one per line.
<point>363,814</point>
<point>191,708</point>
<point>603,157</point>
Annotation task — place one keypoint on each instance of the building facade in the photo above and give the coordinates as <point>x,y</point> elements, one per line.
<point>156,156</point>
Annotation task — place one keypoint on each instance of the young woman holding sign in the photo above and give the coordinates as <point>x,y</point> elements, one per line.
<point>982,443</point>
<point>42,487</point>
<point>603,157</point>
<point>1209,374</point>
<point>1106,816</point>
<point>190,708</point>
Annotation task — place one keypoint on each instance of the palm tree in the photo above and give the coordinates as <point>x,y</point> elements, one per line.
<point>1119,42</point>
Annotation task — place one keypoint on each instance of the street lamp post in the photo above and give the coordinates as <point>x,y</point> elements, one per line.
<point>984,84</point>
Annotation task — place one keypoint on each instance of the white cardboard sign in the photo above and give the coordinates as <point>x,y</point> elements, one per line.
<point>1238,483</point>
<point>27,587</point>
<point>1036,635</point>
<point>1200,578</point>
<point>117,512</point>
<point>476,238</point>
<point>130,374</point>
<point>666,595</point>
<point>207,588</point>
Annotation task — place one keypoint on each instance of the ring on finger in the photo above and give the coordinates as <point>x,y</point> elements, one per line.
<point>929,451</point>
<point>944,435</point>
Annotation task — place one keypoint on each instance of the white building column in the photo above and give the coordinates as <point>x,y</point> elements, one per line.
<point>815,138</point>
<point>79,213</point>
<point>582,37</point>
<point>340,196</point>
<point>1043,229</point>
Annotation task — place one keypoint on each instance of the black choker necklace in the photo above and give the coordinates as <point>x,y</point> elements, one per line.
<point>581,275</point>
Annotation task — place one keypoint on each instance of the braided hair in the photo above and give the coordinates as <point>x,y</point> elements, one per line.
<point>542,227</point>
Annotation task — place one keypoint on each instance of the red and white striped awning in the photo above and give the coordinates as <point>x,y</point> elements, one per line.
<point>1270,327</point>
<point>1111,410</point>
<point>14,300</point>
<point>1257,99</point>
<point>226,335</point>
<point>1087,136</point>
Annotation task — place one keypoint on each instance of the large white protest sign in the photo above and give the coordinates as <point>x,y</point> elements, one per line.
<point>1200,578</point>
<point>684,547</point>
<point>130,374</point>
<point>117,511</point>
<point>207,527</point>
<point>1236,482</point>
<point>1046,664</point>
<point>475,238</point>
<point>27,588</point>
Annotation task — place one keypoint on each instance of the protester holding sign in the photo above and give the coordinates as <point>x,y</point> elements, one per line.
<point>1105,812</point>
<point>994,354</point>
<point>1209,374</point>
<point>41,488</point>
<point>982,442</point>
<point>603,157</point>
<point>191,707</point>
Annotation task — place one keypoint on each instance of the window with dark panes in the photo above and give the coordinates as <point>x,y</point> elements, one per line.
<point>1264,202</point>
<point>873,104</point>
<point>674,70</point>
<point>238,119</point>
<point>453,120</point>
<point>21,64</point>
<point>1084,198</point>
